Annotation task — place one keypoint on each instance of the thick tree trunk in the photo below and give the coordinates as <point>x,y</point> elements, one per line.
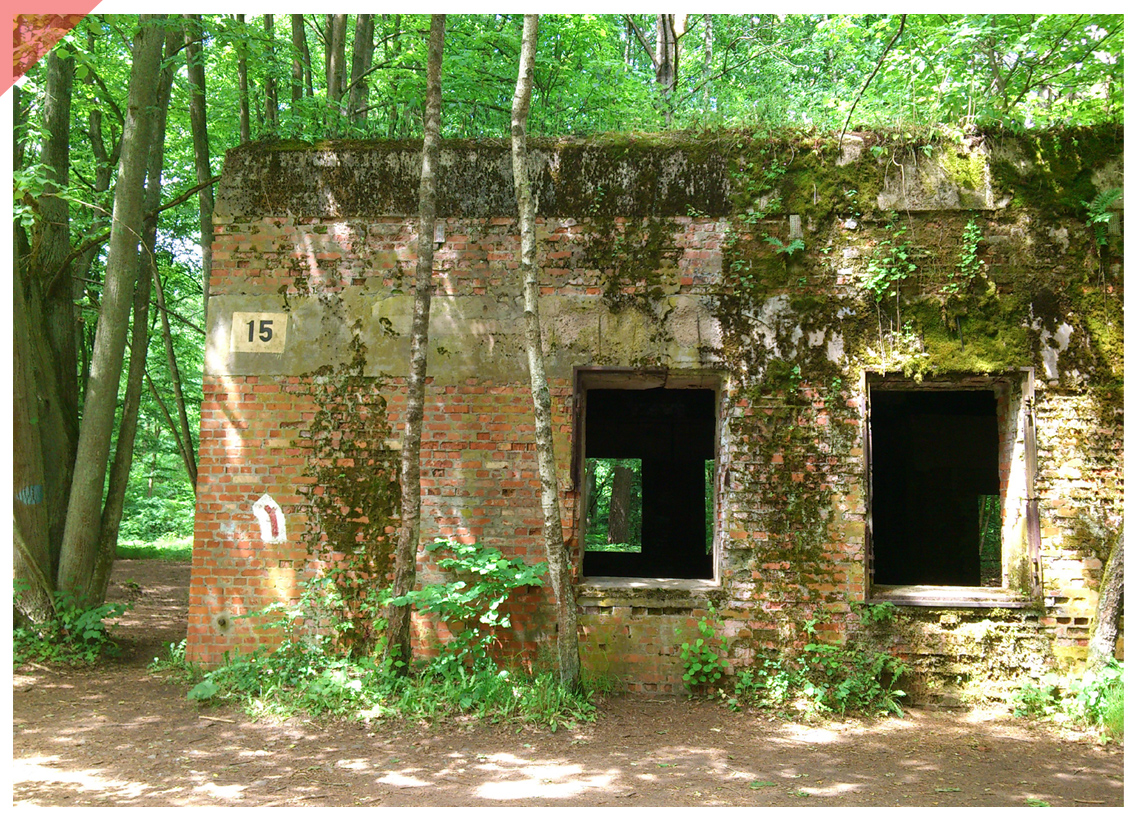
<point>618,528</point>
<point>32,554</point>
<point>361,60</point>
<point>567,639</point>
<point>139,340</point>
<point>1104,629</point>
<point>405,554</point>
<point>198,122</point>
<point>336,60</point>
<point>45,382</point>
<point>84,511</point>
<point>299,57</point>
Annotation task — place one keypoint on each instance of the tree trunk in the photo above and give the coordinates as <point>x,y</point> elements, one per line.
<point>618,528</point>
<point>567,639</point>
<point>181,432</point>
<point>32,563</point>
<point>670,29</point>
<point>242,82</point>
<point>48,394</point>
<point>336,61</point>
<point>139,340</point>
<point>405,554</point>
<point>299,58</point>
<point>84,511</point>
<point>361,60</point>
<point>1104,629</point>
<point>271,103</point>
<point>198,121</point>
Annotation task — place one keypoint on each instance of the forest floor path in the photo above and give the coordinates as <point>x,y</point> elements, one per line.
<point>118,735</point>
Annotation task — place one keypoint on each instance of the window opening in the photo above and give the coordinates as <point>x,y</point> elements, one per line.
<point>935,498</point>
<point>648,482</point>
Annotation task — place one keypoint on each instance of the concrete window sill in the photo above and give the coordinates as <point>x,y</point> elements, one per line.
<point>949,596</point>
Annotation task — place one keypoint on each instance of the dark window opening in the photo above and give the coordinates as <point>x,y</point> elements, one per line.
<point>648,472</point>
<point>935,487</point>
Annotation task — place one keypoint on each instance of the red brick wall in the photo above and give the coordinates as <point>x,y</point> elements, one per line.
<point>791,480</point>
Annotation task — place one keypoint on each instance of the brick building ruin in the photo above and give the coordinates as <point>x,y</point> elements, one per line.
<point>836,374</point>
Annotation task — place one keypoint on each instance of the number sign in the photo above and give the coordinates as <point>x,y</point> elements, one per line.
<point>259,331</point>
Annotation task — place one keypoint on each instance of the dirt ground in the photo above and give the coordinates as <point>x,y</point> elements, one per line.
<point>119,736</point>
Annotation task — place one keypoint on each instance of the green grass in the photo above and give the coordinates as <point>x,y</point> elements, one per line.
<point>172,549</point>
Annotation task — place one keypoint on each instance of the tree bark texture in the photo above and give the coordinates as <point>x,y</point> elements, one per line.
<point>361,60</point>
<point>1104,629</point>
<point>336,59</point>
<point>618,523</point>
<point>567,638</point>
<point>31,563</point>
<point>409,530</point>
<point>84,511</point>
<point>298,57</point>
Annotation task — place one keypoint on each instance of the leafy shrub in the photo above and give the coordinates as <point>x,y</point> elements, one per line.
<point>484,581</point>
<point>701,657</point>
<point>74,635</point>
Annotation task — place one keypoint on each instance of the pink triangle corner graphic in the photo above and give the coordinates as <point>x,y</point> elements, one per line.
<point>34,33</point>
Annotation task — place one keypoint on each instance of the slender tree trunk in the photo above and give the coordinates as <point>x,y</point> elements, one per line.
<point>567,639</point>
<point>361,60</point>
<point>198,122</point>
<point>708,69</point>
<point>183,433</point>
<point>139,340</point>
<point>393,49</point>
<point>271,102</point>
<point>84,511</point>
<point>242,81</point>
<point>1104,629</point>
<point>405,555</point>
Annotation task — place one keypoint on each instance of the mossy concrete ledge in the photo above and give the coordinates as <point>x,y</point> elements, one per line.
<point>354,180</point>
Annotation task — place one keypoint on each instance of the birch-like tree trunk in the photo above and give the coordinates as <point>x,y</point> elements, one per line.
<point>567,638</point>
<point>84,511</point>
<point>409,531</point>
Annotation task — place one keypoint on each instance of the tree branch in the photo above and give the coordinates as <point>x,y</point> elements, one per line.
<point>869,79</point>
<point>102,237</point>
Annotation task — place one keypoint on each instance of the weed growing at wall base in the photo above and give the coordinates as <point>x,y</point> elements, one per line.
<point>313,672</point>
<point>1094,700</point>
<point>825,678</point>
